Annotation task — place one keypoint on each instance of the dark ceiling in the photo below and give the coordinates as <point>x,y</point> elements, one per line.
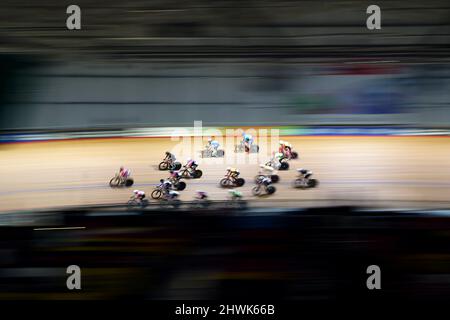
<point>210,29</point>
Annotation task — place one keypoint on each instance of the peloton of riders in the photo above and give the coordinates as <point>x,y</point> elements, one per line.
<point>284,151</point>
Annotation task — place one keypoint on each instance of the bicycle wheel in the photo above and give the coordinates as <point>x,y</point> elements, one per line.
<point>163,166</point>
<point>256,190</point>
<point>240,182</point>
<point>156,194</point>
<point>114,182</point>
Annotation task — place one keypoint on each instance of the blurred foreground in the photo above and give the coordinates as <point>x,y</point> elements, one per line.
<point>316,254</point>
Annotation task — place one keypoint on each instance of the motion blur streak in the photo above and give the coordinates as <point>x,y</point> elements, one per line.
<point>382,170</point>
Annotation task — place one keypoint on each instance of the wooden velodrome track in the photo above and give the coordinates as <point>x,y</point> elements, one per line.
<point>380,170</point>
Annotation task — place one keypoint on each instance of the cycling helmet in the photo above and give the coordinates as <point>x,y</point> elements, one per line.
<point>201,194</point>
<point>235,193</point>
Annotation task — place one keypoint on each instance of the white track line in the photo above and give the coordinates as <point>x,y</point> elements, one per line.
<point>60,228</point>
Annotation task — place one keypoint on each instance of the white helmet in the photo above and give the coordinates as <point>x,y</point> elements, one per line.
<point>209,139</point>
<point>135,191</point>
